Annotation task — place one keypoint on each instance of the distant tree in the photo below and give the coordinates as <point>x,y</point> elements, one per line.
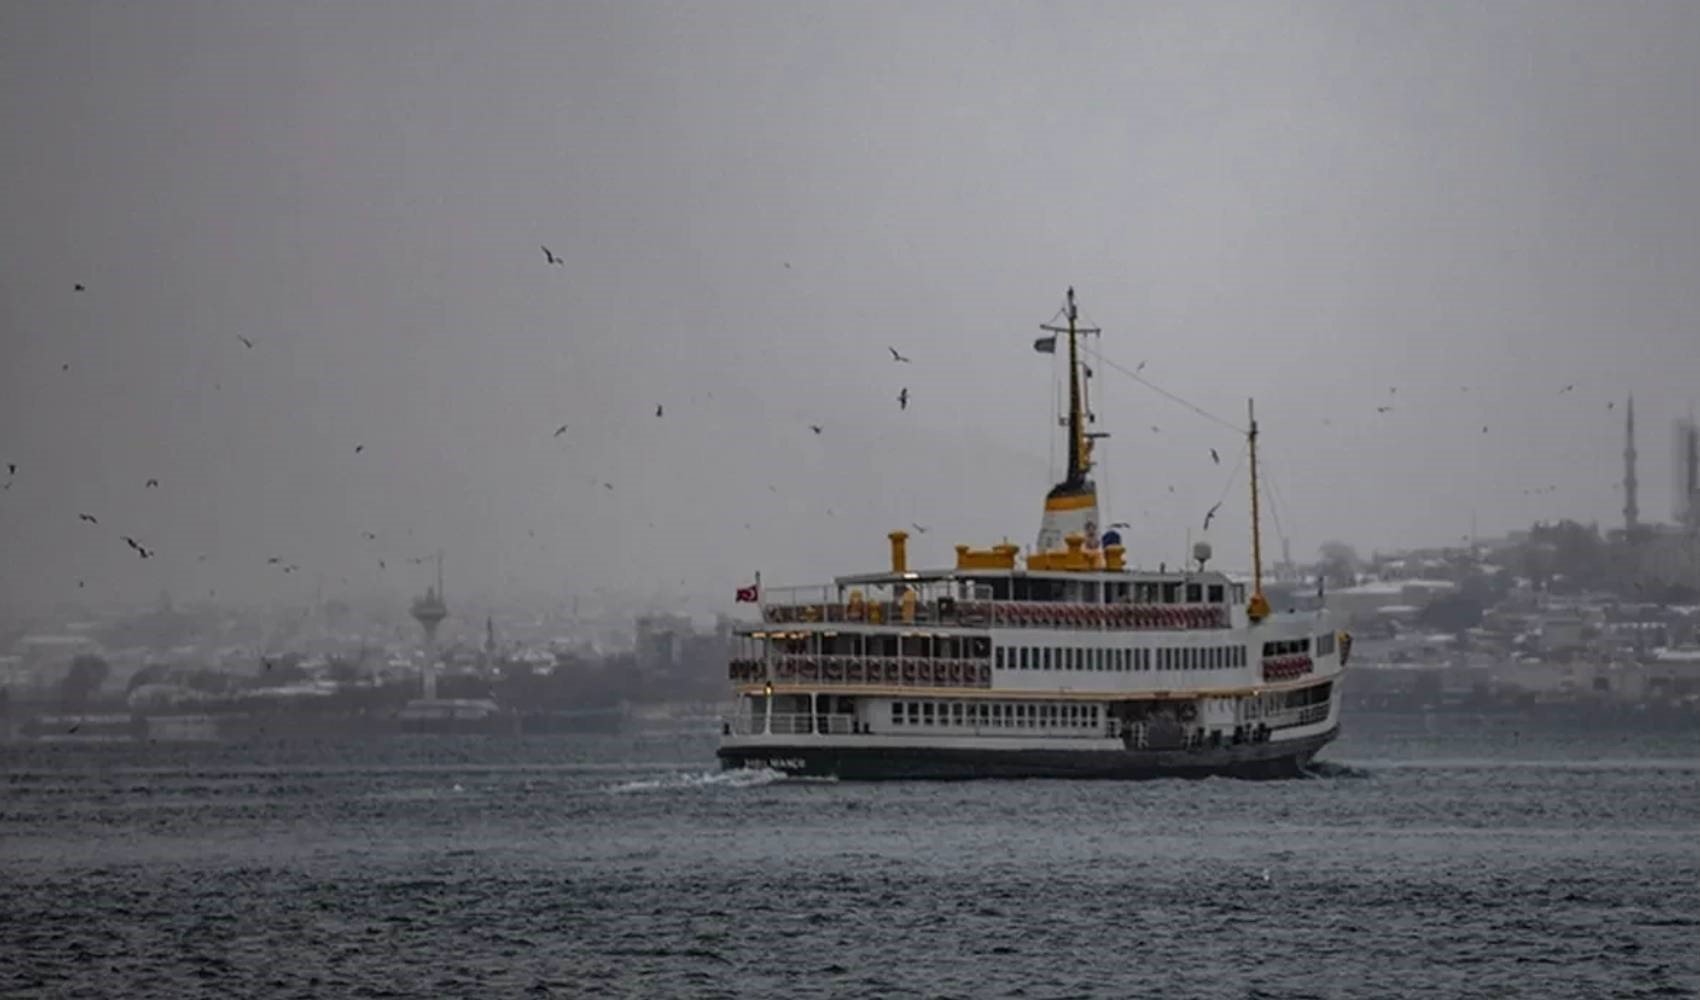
<point>88,672</point>
<point>153,673</point>
<point>1339,564</point>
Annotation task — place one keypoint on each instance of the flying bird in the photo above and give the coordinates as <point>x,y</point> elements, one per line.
<point>1155,429</point>
<point>903,399</point>
<point>1139,368</point>
<point>658,409</point>
<point>1610,403</point>
<point>359,448</point>
<point>896,356</point>
<point>141,549</point>
<point>607,486</point>
<point>1210,514</point>
<point>560,430</point>
<point>1566,389</point>
<point>87,517</point>
<point>815,428</point>
<point>11,468</point>
<point>78,287</point>
<point>1215,457</point>
<point>1383,409</point>
<point>65,367</point>
<point>1122,524</point>
<point>1484,428</point>
<point>920,529</point>
<point>549,256</point>
<point>369,536</point>
<point>273,561</point>
<point>150,484</point>
<point>249,344</point>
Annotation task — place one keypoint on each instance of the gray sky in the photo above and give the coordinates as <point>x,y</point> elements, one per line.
<point>1305,203</point>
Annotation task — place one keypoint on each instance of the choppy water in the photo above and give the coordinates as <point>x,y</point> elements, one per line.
<point>1429,861</point>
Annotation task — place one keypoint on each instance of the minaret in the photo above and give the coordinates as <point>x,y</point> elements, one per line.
<point>429,611</point>
<point>1631,511</point>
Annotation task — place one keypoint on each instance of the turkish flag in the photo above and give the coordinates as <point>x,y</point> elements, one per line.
<point>750,594</point>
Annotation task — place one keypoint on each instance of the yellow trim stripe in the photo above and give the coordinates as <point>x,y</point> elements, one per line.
<point>1076,501</point>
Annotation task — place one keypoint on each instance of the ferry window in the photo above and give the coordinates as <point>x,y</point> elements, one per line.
<point>926,713</point>
<point>1099,655</point>
<point>897,713</point>
<point>1000,658</point>
<point>1194,593</point>
<point>956,713</point>
<point>1239,593</point>
<point>1047,652</point>
<point>1171,593</point>
<point>914,713</point>
<point>1215,593</point>
<point>1304,644</point>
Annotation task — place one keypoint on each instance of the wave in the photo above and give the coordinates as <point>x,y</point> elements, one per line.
<point>753,777</point>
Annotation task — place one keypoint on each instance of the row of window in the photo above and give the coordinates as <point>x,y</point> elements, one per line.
<point>1325,644</point>
<point>1120,660</point>
<point>996,715</point>
<point>1287,647</point>
<point>1113,592</point>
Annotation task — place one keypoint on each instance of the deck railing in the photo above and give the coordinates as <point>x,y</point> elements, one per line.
<point>793,724</point>
<point>948,613</point>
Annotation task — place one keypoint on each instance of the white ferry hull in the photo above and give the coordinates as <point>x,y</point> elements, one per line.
<point>849,760</point>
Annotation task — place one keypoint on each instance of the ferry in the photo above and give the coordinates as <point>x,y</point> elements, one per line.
<point>1067,663</point>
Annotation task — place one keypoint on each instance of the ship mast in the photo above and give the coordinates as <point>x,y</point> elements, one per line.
<point>1079,452</point>
<point>1257,608</point>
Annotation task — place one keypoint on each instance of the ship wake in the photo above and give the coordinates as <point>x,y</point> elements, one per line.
<point>689,780</point>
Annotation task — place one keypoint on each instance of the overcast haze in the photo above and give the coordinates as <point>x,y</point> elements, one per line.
<point>1305,203</point>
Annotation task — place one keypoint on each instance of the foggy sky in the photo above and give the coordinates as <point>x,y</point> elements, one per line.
<point>1305,203</point>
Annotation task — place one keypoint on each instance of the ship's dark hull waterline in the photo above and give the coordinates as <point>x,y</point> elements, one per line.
<point>1260,761</point>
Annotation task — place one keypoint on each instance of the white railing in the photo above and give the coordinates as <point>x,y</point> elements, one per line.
<point>793,724</point>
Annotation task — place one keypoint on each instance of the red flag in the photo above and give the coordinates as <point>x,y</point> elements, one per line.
<point>750,594</point>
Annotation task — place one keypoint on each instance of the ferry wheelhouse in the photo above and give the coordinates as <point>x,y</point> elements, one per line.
<point>1068,663</point>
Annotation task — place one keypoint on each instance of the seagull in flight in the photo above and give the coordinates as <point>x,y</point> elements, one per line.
<point>1139,368</point>
<point>1210,514</point>
<point>150,484</point>
<point>920,529</point>
<point>78,287</point>
<point>815,428</point>
<point>1122,524</point>
<point>903,399</point>
<point>560,430</point>
<point>1215,457</point>
<point>549,255</point>
<point>249,344</point>
<point>141,549</point>
<point>658,409</point>
<point>896,356</point>
<point>359,448</point>
<point>1383,409</point>
<point>87,517</point>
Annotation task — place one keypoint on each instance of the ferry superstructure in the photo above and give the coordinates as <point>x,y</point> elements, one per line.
<point>1068,663</point>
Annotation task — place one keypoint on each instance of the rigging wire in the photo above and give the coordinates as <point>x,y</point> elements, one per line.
<point>1142,380</point>
<point>1275,504</point>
